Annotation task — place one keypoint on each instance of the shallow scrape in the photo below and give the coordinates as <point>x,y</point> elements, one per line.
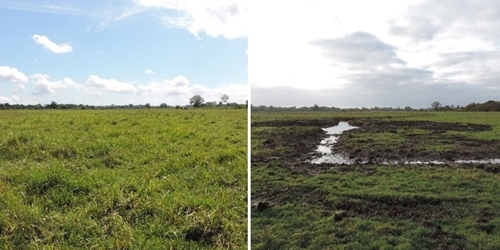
<point>417,142</point>
<point>378,142</point>
<point>326,149</point>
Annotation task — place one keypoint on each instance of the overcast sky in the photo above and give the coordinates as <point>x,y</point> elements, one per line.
<point>374,53</point>
<point>122,51</point>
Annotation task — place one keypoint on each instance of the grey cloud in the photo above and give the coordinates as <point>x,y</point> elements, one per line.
<point>377,77</point>
<point>424,21</point>
<point>422,30</point>
<point>359,49</point>
<point>374,67</point>
<point>390,77</point>
<point>417,94</point>
<point>283,96</point>
<point>481,67</point>
<point>479,57</point>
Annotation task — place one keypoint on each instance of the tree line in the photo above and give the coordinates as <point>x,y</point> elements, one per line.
<point>487,106</point>
<point>434,106</point>
<point>196,101</point>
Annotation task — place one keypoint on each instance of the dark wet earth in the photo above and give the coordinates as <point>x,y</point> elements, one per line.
<point>291,144</point>
<point>300,139</point>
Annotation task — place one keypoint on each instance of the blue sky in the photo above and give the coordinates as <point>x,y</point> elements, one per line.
<point>121,52</point>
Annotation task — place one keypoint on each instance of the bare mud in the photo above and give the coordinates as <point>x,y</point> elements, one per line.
<point>302,138</point>
<point>294,144</point>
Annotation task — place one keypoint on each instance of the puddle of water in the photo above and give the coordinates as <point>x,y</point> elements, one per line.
<point>326,146</point>
<point>339,129</point>
<point>424,162</point>
<point>489,161</point>
<point>327,155</point>
<point>332,159</point>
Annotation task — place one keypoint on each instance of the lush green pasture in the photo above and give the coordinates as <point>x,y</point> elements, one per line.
<point>371,206</point>
<point>123,179</point>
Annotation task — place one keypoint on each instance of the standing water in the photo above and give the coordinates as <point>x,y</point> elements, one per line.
<point>326,150</point>
<point>326,146</point>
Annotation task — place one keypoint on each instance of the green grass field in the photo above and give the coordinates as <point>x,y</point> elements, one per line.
<point>123,179</point>
<point>374,206</point>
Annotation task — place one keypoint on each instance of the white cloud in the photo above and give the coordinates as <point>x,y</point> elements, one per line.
<point>179,85</point>
<point>237,92</point>
<point>12,75</point>
<point>44,86</point>
<point>179,81</point>
<point>110,85</point>
<point>11,100</point>
<point>227,18</point>
<point>175,90</point>
<point>149,71</point>
<point>179,90</point>
<point>48,44</point>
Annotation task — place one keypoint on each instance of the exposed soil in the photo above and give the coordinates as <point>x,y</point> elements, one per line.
<point>413,148</point>
<point>293,142</point>
<point>301,138</point>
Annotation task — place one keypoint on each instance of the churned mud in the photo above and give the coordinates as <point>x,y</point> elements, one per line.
<point>305,142</point>
<point>458,148</point>
<point>296,144</point>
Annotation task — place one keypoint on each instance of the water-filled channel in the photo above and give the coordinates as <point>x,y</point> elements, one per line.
<point>326,151</point>
<point>327,146</point>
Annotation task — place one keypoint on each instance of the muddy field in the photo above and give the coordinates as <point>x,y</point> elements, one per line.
<point>420,206</point>
<point>370,151</point>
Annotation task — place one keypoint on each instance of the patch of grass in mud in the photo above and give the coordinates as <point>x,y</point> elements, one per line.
<point>298,205</point>
<point>123,179</point>
<point>411,208</point>
<point>387,140</point>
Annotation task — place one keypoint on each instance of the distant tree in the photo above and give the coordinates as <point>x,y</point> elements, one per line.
<point>407,108</point>
<point>147,105</point>
<point>163,105</point>
<point>53,105</point>
<point>436,105</point>
<point>487,106</point>
<point>197,101</point>
<point>224,98</point>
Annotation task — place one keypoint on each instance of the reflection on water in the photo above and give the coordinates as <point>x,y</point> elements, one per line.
<point>326,146</point>
<point>339,129</point>
<point>326,151</point>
